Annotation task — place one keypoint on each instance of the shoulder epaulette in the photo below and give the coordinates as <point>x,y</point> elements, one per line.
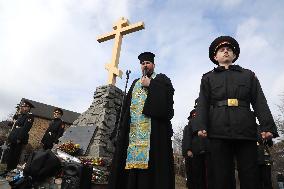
<point>250,71</point>
<point>247,69</point>
<point>208,72</point>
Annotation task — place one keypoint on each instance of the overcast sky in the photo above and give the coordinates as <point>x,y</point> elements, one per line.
<point>49,52</point>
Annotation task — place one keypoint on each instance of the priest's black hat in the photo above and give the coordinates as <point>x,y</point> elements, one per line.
<point>27,103</point>
<point>59,110</point>
<point>221,42</point>
<point>146,56</point>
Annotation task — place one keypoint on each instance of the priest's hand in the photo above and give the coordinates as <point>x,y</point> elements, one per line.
<point>266,135</point>
<point>145,81</point>
<point>202,133</point>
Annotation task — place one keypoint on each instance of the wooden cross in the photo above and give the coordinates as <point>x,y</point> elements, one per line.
<point>121,28</point>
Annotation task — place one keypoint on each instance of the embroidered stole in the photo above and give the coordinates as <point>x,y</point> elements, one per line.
<point>140,130</point>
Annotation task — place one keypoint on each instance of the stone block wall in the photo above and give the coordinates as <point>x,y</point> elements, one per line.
<point>37,131</point>
<point>104,112</point>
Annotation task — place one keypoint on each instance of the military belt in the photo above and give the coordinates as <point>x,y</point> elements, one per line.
<point>231,102</point>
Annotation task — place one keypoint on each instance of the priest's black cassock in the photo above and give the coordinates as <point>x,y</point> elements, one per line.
<point>159,107</point>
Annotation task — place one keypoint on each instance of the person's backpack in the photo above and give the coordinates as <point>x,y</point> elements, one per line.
<point>41,165</point>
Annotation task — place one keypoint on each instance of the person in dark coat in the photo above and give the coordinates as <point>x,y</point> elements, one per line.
<point>264,162</point>
<point>224,116</point>
<point>19,135</point>
<point>143,157</point>
<point>54,131</point>
<point>187,152</point>
<point>198,148</point>
<point>200,169</point>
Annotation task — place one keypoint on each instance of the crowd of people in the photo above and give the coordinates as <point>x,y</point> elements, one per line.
<point>19,134</point>
<point>223,133</point>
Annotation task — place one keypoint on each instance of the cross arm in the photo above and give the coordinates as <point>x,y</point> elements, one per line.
<point>108,36</point>
<point>133,28</point>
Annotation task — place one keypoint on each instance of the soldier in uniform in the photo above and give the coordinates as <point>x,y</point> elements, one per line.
<point>224,116</point>
<point>54,131</point>
<point>19,135</point>
<point>187,151</point>
<point>198,151</point>
<point>264,162</point>
<point>201,154</point>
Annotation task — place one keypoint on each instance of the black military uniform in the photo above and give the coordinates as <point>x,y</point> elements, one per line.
<point>200,169</point>
<point>186,146</point>
<point>264,162</point>
<point>54,131</point>
<point>19,136</point>
<point>223,111</point>
<point>198,162</point>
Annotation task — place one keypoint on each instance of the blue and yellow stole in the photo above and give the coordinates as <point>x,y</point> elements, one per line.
<point>140,130</point>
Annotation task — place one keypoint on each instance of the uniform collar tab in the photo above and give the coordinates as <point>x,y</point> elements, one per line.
<point>231,67</point>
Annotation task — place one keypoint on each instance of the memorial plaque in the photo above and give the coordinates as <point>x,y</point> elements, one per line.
<point>79,135</point>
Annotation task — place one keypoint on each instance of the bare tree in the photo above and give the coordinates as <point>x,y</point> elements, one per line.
<point>177,139</point>
<point>9,117</point>
<point>277,152</point>
<point>278,156</point>
<point>177,148</point>
<point>279,119</point>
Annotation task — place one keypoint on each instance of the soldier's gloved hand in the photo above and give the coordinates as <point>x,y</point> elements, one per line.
<point>202,133</point>
<point>266,135</point>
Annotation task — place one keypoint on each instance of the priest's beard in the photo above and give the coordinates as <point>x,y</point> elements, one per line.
<point>147,73</point>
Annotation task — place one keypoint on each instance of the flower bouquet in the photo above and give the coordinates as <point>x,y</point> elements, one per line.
<point>70,148</point>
